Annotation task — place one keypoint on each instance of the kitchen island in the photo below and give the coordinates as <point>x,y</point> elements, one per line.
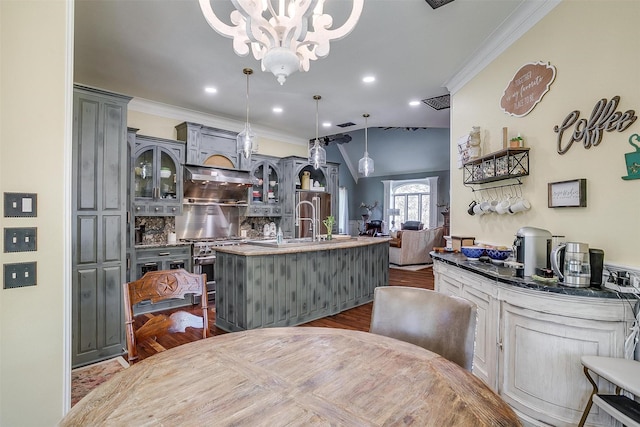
<point>261,285</point>
<point>531,335</point>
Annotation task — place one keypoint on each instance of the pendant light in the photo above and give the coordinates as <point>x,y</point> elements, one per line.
<point>247,142</point>
<point>317,154</point>
<point>365,165</point>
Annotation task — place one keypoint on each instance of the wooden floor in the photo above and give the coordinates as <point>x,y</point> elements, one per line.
<point>357,318</point>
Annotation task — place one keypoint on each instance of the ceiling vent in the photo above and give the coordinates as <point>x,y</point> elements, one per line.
<point>438,102</point>
<point>346,124</point>
<point>437,3</point>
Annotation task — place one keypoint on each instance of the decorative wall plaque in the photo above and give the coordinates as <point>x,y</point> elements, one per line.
<point>527,88</point>
<point>566,194</point>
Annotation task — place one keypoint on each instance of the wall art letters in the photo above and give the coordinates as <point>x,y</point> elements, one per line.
<point>604,117</point>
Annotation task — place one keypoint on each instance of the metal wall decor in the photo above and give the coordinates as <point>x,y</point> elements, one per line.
<point>567,194</point>
<point>633,159</point>
<point>604,117</point>
<point>527,87</point>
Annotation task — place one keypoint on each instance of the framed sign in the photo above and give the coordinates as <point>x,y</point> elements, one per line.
<point>527,87</point>
<point>567,194</point>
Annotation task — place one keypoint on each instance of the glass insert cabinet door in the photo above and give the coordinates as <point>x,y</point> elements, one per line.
<point>155,175</point>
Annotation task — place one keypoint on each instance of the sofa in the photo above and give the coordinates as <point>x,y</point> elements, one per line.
<point>413,246</point>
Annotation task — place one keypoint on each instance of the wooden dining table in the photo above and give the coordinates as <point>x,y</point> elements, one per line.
<point>294,376</point>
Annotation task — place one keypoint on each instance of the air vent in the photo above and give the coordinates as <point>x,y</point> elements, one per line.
<point>437,3</point>
<point>346,124</point>
<point>438,102</point>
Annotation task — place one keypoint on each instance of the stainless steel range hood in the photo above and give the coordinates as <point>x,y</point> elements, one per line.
<point>207,185</point>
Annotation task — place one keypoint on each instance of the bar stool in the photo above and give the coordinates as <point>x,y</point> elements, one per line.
<point>625,375</point>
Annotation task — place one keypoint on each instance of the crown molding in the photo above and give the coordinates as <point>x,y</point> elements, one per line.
<point>347,162</point>
<point>147,106</point>
<point>515,26</point>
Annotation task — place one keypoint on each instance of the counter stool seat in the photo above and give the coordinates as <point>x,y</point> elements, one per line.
<point>625,375</point>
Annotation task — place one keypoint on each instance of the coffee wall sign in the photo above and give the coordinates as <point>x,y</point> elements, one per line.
<point>527,88</point>
<point>604,118</point>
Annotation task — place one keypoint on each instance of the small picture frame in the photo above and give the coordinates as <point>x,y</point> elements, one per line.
<point>568,194</point>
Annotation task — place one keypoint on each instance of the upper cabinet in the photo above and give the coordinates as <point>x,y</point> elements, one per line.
<point>210,146</point>
<point>157,176</point>
<point>265,195</point>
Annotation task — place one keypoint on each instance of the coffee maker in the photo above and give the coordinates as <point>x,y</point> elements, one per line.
<point>532,247</point>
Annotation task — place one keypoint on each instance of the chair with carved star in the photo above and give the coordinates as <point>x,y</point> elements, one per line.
<point>154,287</point>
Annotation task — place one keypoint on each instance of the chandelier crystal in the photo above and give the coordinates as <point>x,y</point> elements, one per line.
<point>365,165</point>
<point>317,154</point>
<point>284,40</point>
<point>246,140</point>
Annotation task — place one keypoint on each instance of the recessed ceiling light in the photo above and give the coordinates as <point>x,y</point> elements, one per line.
<point>277,109</point>
<point>326,124</point>
<point>368,79</point>
<point>414,103</point>
<point>210,89</point>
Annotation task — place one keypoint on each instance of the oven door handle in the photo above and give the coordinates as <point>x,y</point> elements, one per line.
<point>199,260</point>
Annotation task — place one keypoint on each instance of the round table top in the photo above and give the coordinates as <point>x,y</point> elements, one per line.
<point>293,376</point>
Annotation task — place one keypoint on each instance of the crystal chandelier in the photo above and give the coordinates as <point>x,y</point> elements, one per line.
<point>284,40</point>
<point>246,140</point>
<point>317,154</point>
<point>365,165</point>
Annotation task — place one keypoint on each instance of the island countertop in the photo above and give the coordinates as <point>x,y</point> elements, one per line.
<point>249,249</point>
<point>507,275</point>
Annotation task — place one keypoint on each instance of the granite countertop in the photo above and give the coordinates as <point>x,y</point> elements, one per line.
<point>506,275</point>
<point>161,245</point>
<point>249,249</point>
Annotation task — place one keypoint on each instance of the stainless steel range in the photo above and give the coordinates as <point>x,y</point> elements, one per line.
<point>204,256</point>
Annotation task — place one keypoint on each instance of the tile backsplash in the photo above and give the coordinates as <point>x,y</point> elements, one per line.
<point>156,228</point>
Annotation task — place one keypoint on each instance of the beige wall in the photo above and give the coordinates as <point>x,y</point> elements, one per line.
<point>164,127</point>
<point>595,47</point>
<point>34,156</point>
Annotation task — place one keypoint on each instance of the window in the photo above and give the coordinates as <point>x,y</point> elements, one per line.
<point>415,200</point>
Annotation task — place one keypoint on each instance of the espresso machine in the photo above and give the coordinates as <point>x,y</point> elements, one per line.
<point>532,247</point>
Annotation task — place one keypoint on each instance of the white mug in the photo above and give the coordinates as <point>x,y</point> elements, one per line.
<point>477,209</point>
<point>485,207</point>
<point>520,206</point>
<point>503,207</point>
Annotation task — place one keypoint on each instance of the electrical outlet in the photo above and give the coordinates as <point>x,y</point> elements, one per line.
<point>20,239</point>
<point>20,274</point>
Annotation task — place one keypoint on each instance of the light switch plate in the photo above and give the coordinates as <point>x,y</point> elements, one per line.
<point>20,205</point>
<point>20,275</point>
<point>20,239</point>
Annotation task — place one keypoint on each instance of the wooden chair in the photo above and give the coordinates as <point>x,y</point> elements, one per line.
<point>156,286</point>
<point>625,375</point>
<point>440,323</point>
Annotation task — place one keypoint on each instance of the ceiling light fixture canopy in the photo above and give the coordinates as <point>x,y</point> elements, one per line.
<point>246,140</point>
<point>282,39</point>
<point>317,154</point>
<point>365,165</point>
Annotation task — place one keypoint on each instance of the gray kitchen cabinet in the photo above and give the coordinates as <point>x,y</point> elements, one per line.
<point>292,169</point>
<point>157,176</point>
<point>210,146</point>
<point>161,258</point>
<point>264,199</point>
<point>99,224</point>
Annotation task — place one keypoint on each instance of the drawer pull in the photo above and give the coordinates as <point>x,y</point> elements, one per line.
<point>164,254</point>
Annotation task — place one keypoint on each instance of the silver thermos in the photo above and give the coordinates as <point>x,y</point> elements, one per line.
<point>532,247</point>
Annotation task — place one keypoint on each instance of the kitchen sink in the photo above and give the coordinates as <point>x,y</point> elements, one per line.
<point>289,243</point>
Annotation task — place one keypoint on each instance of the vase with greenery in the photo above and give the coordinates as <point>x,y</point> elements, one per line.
<point>328,222</point>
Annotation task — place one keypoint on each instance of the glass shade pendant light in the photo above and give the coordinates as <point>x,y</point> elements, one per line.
<point>317,154</point>
<point>247,142</point>
<point>365,165</point>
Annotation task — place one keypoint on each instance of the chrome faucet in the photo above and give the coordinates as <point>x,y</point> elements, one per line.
<point>315,222</point>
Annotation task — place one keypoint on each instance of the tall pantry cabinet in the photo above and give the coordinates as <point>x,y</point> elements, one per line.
<point>99,221</point>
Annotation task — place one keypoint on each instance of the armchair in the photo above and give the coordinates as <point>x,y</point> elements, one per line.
<point>413,246</point>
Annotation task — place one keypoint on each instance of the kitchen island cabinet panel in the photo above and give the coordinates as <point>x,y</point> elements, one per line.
<point>289,288</point>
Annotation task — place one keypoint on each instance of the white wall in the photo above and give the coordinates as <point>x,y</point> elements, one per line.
<point>594,46</point>
<point>35,141</point>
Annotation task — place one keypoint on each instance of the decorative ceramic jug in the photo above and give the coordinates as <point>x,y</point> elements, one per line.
<point>305,180</point>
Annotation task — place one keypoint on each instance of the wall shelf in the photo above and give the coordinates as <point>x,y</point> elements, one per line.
<point>509,163</point>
